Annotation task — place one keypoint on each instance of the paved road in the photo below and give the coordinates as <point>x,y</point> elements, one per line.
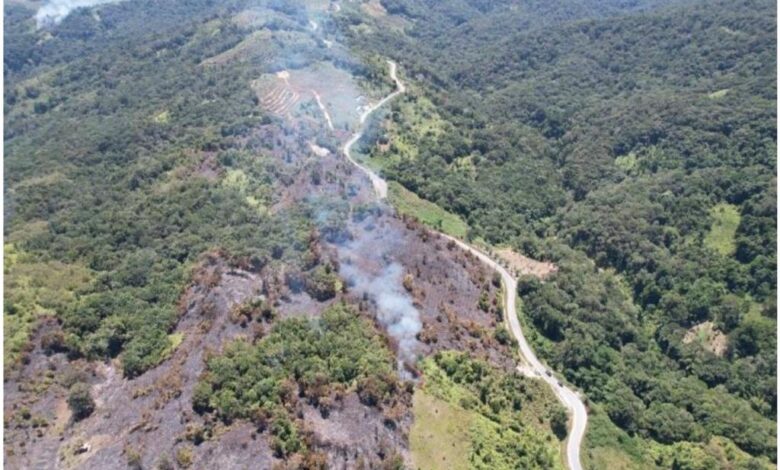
<point>533,366</point>
<point>380,185</point>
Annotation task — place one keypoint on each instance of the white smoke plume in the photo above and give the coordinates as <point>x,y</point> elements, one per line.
<point>382,284</point>
<point>54,11</point>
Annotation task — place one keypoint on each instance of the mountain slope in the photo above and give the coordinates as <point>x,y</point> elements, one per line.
<point>605,144</point>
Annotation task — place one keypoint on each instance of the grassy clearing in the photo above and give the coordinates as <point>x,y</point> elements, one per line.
<point>174,340</point>
<point>440,434</point>
<point>256,44</point>
<point>718,94</point>
<point>607,446</point>
<point>414,122</point>
<point>162,118</point>
<point>408,203</point>
<point>494,419</point>
<point>754,312</point>
<point>236,179</point>
<point>34,288</point>
<point>724,228</point>
<point>626,162</point>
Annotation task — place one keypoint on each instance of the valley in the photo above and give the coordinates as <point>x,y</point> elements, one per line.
<point>390,234</point>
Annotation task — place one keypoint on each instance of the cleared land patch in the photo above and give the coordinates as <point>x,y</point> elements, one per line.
<point>408,203</point>
<point>332,90</point>
<point>724,227</point>
<point>525,265</point>
<point>709,337</point>
<point>440,434</point>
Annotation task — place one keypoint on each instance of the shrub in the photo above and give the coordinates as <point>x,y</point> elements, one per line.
<point>408,282</point>
<point>53,342</point>
<point>164,463</point>
<point>184,457</point>
<point>133,458</point>
<point>559,423</point>
<point>323,283</point>
<point>286,440</point>
<point>503,336</point>
<point>80,401</point>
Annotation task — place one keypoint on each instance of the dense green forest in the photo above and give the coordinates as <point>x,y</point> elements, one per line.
<point>107,125</point>
<point>613,138</point>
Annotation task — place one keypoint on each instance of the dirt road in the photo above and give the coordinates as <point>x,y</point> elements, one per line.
<point>533,366</point>
<point>323,109</point>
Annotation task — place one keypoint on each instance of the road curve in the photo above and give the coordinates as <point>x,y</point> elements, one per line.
<point>380,185</point>
<point>533,366</point>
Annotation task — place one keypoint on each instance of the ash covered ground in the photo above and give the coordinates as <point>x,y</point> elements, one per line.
<point>421,291</point>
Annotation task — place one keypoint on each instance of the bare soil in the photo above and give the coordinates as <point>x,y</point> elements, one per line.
<point>524,265</point>
<point>708,335</point>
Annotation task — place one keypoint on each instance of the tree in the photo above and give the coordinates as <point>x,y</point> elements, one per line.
<point>624,408</point>
<point>559,422</point>
<point>729,312</point>
<point>286,440</point>
<point>667,423</point>
<point>752,337</point>
<point>80,401</point>
<point>201,397</point>
<point>323,283</point>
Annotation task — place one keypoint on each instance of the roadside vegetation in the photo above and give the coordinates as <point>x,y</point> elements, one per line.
<point>648,180</point>
<point>608,446</point>
<point>495,419</point>
<point>408,203</point>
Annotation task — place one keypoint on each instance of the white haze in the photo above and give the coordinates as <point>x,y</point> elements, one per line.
<point>394,306</point>
<point>55,11</point>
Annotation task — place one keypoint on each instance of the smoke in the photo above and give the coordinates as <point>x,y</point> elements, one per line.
<point>57,10</point>
<point>367,267</point>
<point>395,310</point>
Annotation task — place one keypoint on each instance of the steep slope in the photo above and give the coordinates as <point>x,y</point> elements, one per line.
<point>196,277</point>
<point>605,145</point>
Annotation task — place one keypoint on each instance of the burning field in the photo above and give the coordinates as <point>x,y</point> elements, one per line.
<point>398,290</point>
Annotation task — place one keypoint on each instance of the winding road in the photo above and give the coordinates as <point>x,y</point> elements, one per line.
<point>380,185</point>
<point>532,365</point>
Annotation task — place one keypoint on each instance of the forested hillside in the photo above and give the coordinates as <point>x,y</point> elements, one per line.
<point>196,278</point>
<point>633,144</point>
<point>99,153</point>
